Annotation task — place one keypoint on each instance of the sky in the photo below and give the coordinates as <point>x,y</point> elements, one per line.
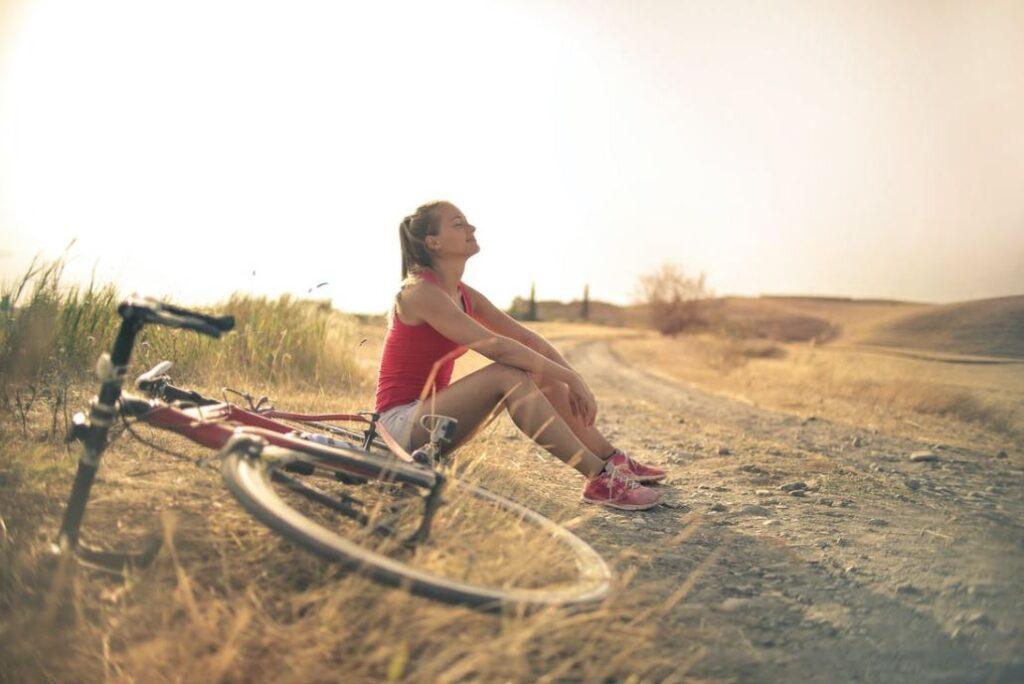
<point>192,149</point>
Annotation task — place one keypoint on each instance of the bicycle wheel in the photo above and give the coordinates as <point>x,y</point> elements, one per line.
<point>483,550</point>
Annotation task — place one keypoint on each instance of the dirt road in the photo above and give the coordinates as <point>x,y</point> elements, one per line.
<point>835,556</point>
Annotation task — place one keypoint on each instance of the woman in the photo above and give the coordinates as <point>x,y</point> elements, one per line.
<point>436,317</point>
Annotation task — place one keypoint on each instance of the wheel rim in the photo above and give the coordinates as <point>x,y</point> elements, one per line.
<point>249,479</point>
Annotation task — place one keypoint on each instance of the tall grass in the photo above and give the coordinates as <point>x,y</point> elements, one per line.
<point>229,601</point>
<point>52,333</point>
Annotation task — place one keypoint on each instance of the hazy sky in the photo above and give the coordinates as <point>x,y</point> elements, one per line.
<point>870,149</point>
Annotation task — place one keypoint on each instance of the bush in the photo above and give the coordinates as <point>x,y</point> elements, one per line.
<point>673,299</point>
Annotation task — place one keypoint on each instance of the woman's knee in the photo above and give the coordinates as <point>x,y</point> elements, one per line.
<point>510,378</point>
<point>548,386</point>
<point>556,392</point>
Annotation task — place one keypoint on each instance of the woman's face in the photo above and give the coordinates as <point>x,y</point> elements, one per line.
<point>455,236</point>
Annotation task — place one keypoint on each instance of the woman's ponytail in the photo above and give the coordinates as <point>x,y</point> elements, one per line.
<point>405,240</point>
<point>412,236</point>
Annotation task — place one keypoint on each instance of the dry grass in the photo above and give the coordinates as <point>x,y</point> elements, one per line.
<point>51,335</point>
<point>853,383</point>
<point>229,601</point>
<point>849,384</point>
<point>988,327</point>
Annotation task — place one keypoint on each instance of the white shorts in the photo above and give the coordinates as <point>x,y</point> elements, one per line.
<point>398,420</point>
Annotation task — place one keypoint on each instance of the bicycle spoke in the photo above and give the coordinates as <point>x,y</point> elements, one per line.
<point>477,541</point>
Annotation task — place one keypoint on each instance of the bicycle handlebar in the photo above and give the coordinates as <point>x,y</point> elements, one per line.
<point>149,310</point>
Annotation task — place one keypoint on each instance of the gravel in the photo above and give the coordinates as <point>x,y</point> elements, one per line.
<point>923,456</point>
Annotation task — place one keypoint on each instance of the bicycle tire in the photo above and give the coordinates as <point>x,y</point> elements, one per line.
<point>249,474</point>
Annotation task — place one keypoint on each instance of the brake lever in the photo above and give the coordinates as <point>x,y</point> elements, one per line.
<point>157,372</point>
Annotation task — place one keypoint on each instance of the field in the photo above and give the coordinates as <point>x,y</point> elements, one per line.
<point>968,402</point>
<point>798,540</point>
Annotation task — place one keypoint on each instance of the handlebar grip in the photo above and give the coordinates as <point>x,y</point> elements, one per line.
<point>189,323</point>
<point>222,323</point>
<point>150,310</point>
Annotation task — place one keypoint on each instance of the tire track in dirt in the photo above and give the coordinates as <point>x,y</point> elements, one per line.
<point>882,570</point>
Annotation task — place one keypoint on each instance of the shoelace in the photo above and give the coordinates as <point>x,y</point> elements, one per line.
<point>615,476</point>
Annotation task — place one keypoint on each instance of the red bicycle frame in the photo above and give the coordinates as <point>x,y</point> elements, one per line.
<point>212,426</point>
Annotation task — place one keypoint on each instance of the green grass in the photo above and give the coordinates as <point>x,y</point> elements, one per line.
<point>52,333</point>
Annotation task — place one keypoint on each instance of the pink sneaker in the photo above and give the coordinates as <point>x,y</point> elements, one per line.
<point>635,470</point>
<point>615,491</point>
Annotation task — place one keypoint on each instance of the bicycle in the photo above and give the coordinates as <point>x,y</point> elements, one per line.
<point>156,383</point>
<point>263,463</point>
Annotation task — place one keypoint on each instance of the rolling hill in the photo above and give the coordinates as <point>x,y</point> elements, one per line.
<point>986,327</point>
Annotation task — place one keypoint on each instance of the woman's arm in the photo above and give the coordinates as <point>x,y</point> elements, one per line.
<point>425,301</point>
<point>436,308</point>
<point>545,348</point>
<point>581,399</point>
<point>503,324</point>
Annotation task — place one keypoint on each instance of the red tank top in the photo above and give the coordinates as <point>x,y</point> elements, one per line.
<point>410,352</point>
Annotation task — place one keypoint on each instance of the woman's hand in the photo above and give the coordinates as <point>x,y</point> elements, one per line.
<point>582,401</point>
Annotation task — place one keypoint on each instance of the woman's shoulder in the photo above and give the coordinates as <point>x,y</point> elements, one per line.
<point>416,280</point>
<point>413,284</point>
<point>411,295</point>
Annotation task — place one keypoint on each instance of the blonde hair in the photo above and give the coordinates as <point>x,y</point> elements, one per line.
<point>412,236</point>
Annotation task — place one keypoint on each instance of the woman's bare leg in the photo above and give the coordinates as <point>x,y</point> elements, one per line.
<point>474,398</point>
<point>558,394</point>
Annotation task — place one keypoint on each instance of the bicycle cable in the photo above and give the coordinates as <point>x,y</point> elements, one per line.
<point>198,462</point>
<point>254,406</point>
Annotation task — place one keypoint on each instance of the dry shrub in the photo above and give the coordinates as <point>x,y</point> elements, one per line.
<point>672,299</point>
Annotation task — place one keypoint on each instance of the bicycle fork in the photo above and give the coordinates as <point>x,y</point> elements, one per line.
<point>92,432</point>
<point>441,432</point>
